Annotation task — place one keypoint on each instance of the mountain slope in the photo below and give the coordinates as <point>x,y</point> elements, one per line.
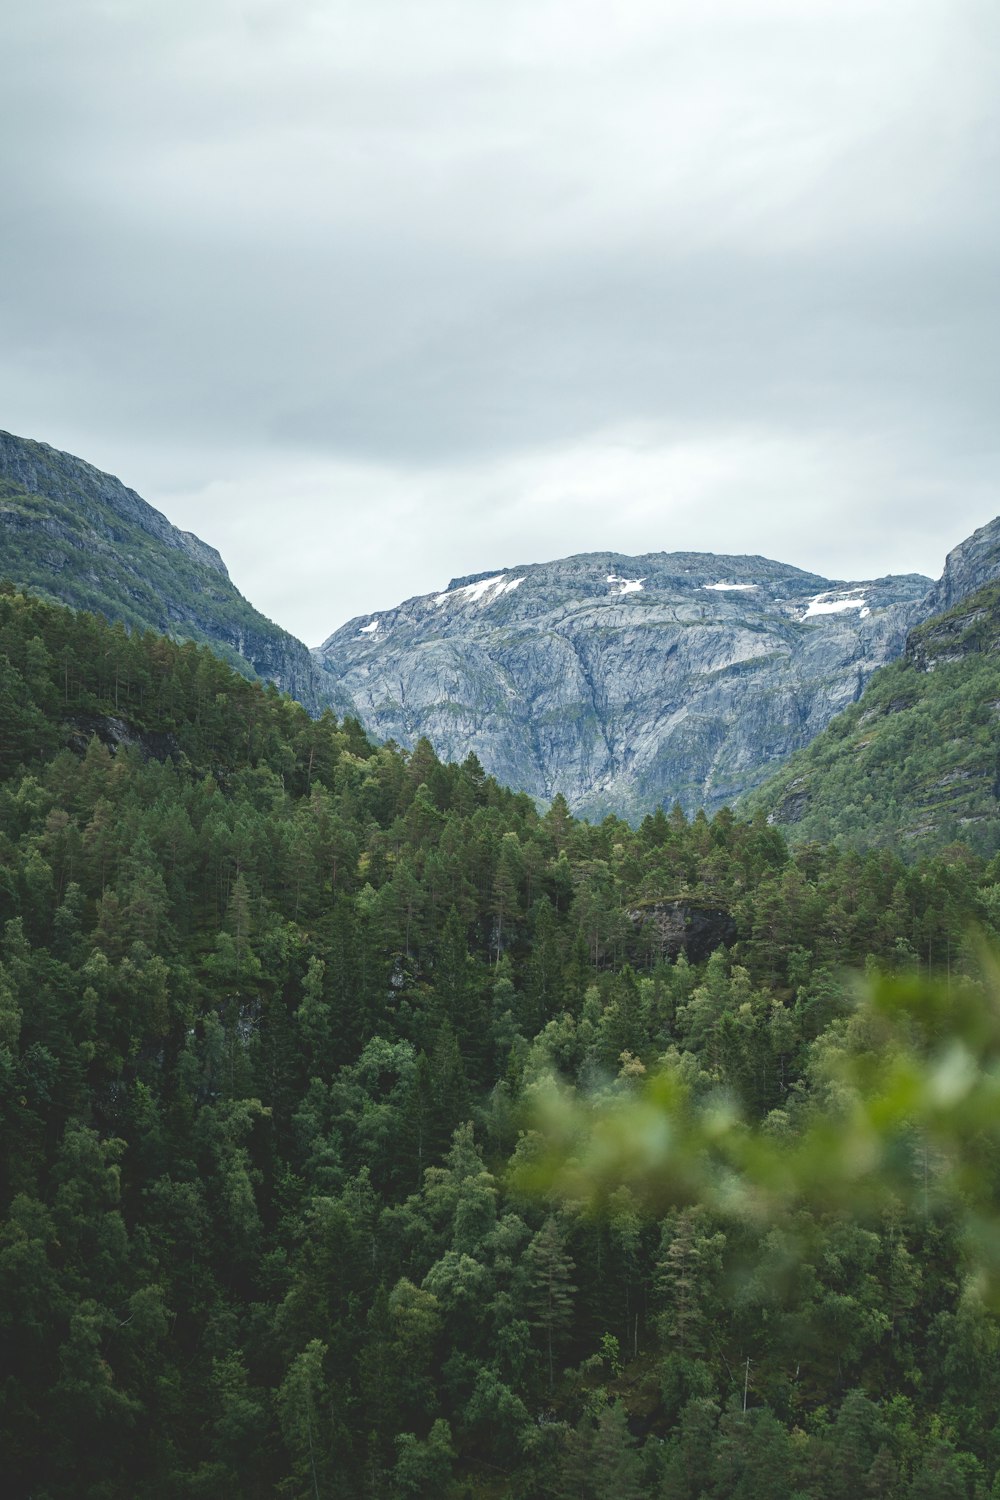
<point>76,535</point>
<point>913,764</point>
<point>624,682</point>
<point>969,566</point>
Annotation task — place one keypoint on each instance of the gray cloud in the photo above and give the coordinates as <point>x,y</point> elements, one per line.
<point>434,288</point>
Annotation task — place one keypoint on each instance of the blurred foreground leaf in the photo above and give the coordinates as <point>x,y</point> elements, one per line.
<point>902,1114</point>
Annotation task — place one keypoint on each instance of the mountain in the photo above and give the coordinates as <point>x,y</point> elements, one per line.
<point>624,682</point>
<point>74,534</point>
<point>915,763</point>
<point>969,566</point>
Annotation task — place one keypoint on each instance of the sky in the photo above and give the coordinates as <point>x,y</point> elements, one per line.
<point>375,295</point>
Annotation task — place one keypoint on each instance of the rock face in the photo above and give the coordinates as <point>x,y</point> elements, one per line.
<point>683,927</point>
<point>913,764</point>
<point>624,682</point>
<point>970,627</point>
<point>37,469</point>
<point>969,566</point>
<point>118,734</point>
<point>76,535</point>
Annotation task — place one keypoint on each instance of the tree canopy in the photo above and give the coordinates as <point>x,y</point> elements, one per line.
<point>281,1214</point>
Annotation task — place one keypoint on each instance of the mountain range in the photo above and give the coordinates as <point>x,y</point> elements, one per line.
<point>623,683</point>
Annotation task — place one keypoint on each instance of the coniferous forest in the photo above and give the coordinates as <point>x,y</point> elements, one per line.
<point>277,1009</point>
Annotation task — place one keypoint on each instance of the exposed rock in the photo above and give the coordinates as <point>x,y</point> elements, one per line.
<point>624,683</point>
<point>972,626</point>
<point>40,470</point>
<point>117,734</point>
<point>793,805</point>
<point>969,566</point>
<point>917,758</point>
<point>684,927</point>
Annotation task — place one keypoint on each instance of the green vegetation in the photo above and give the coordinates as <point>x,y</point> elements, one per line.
<point>277,1010</point>
<point>913,764</point>
<point>53,549</point>
<point>85,541</point>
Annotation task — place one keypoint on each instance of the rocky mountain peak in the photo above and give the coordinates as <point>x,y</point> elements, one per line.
<point>623,681</point>
<point>969,566</point>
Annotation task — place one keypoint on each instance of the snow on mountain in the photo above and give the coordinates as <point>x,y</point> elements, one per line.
<point>624,682</point>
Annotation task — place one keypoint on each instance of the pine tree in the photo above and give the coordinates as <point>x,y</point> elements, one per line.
<point>549,1291</point>
<point>303,1412</point>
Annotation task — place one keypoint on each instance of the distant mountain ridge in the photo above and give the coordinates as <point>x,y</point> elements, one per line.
<point>74,534</point>
<point>624,682</point>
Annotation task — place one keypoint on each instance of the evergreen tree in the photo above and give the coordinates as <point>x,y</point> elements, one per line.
<point>548,1289</point>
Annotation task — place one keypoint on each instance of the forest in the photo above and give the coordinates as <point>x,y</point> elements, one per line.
<point>287,1021</point>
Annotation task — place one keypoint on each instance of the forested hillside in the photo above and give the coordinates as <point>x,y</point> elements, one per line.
<point>73,534</point>
<point>913,764</point>
<point>274,1009</point>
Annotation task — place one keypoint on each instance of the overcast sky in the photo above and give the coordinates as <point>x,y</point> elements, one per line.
<point>373,294</point>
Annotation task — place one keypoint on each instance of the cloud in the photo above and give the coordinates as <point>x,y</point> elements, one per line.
<point>315,542</point>
<point>272,260</point>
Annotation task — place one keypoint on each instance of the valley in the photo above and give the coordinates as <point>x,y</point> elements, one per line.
<point>375,1128</point>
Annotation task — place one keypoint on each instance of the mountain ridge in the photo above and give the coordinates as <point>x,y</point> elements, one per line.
<point>970,565</point>
<point>75,534</point>
<point>40,469</point>
<point>621,681</point>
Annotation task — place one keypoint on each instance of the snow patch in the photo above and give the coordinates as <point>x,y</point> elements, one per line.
<point>822,604</point>
<point>475,592</point>
<point>369,629</point>
<point>727,586</point>
<point>627,585</point>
